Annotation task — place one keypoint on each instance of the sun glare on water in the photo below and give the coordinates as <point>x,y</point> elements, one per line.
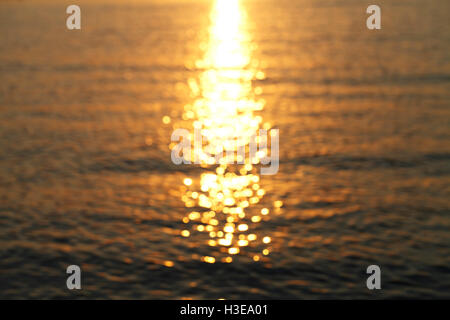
<point>225,203</point>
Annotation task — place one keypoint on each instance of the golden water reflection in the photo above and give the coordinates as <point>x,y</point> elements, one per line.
<point>226,202</point>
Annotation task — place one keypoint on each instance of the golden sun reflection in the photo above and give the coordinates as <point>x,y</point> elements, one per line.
<point>226,201</point>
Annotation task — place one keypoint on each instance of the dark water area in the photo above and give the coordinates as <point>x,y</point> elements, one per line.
<point>86,176</point>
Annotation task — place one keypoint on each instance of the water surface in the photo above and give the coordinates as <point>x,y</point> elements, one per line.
<point>86,175</point>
